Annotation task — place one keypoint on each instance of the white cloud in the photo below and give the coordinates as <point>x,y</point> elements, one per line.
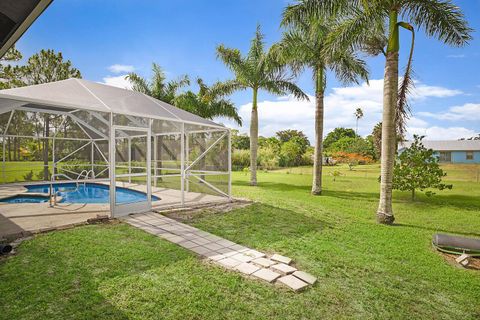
<point>466,112</point>
<point>416,122</point>
<point>287,112</point>
<point>457,56</point>
<point>422,91</point>
<point>118,81</point>
<point>121,68</point>
<point>442,133</point>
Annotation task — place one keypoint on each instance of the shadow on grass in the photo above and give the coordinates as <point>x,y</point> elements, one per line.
<point>64,270</point>
<point>283,187</point>
<point>260,225</point>
<point>436,230</point>
<point>462,202</point>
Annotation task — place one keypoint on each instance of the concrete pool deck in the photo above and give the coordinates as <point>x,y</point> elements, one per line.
<point>22,219</point>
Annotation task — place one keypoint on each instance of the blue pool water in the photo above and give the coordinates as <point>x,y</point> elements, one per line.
<point>90,193</point>
<point>25,199</point>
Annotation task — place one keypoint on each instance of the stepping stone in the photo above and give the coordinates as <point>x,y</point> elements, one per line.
<point>241,257</point>
<point>263,262</point>
<point>176,239</point>
<point>247,268</point>
<point>283,268</point>
<point>254,254</point>
<point>217,257</point>
<point>239,248</point>
<point>188,244</point>
<point>227,251</point>
<point>212,246</point>
<point>293,283</point>
<point>200,241</point>
<point>229,262</point>
<point>282,259</point>
<point>307,277</point>
<point>267,275</point>
<point>200,250</point>
<point>225,242</point>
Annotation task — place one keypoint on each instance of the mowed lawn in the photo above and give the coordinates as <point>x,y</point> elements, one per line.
<point>364,270</point>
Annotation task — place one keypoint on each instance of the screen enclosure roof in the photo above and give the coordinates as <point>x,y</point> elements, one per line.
<point>79,94</point>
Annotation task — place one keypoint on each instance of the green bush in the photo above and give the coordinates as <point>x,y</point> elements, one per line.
<point>240,159</point>
<point>268,158</point>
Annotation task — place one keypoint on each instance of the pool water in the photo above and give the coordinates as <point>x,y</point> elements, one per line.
<point>90,193</point>
<point>25,199</point>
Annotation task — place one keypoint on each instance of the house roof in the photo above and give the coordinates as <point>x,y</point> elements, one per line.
<point>447,145</point>
<point>16,16</point>
<point>72,94</point>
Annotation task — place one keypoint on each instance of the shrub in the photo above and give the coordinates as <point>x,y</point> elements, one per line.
<point>240,159</point>
<point>307,157</point>
<point>352,145</point>
<point>28,176</point>
<point>417,168</point>
<point>268,158</point>
<point>352,159</point>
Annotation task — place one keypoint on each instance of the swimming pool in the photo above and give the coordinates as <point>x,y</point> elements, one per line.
<point>24,198</point>
<point>88,193</point>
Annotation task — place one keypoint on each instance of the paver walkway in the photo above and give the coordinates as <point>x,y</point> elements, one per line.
<point>221,251</point>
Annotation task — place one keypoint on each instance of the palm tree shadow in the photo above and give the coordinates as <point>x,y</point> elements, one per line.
<point>436,230</point>
<point>462,202</point>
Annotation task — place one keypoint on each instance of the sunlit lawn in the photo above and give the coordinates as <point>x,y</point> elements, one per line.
<point>364,270</point>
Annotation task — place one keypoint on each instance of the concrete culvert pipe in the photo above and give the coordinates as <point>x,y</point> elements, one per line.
<point>5,248</point>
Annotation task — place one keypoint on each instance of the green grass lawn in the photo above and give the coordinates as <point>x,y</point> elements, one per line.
<point>364,270</point>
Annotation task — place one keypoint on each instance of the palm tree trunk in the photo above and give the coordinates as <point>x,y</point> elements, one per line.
<point>254,140</point>
<point>390,94</point>
<point>318,154</point>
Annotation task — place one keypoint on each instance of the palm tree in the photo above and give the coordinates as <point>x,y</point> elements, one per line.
<point>258,70</point>
<point>363,26</point>
<point>359,115</point>
<point>301,47</point>
<point>157,87</point>
<point>208,103</point>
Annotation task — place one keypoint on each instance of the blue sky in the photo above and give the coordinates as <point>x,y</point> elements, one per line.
<point>182,35</point>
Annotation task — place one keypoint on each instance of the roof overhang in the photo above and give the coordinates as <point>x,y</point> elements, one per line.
<point>16,16</point>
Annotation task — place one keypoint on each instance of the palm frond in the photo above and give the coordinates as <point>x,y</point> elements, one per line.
<point>225,88</point>
<point>348,67</point>
<point>279,86</point>
<point>232,58</point>
<point>315,9</point>
<point>158,81</point>
<point>441,19</point>
<point>257,45</point>
<point>355,31</point>
<point>138,83</point>
<point>225,108</point>
<point>403,111</point>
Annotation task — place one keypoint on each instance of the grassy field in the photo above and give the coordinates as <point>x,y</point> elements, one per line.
<point>364,270</point>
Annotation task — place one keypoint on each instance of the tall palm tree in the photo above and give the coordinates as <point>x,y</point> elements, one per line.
<point>364,26</point>
<point>208,102</point>
<point>158,87</point>
<point>258,70</point>
<point>359,115</point>
<point>301,47</point>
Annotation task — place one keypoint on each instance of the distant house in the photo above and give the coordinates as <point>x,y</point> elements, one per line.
<point>451,151</point>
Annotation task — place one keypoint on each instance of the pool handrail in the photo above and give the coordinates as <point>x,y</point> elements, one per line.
<point>87,173</point>
<point>52,179</point>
